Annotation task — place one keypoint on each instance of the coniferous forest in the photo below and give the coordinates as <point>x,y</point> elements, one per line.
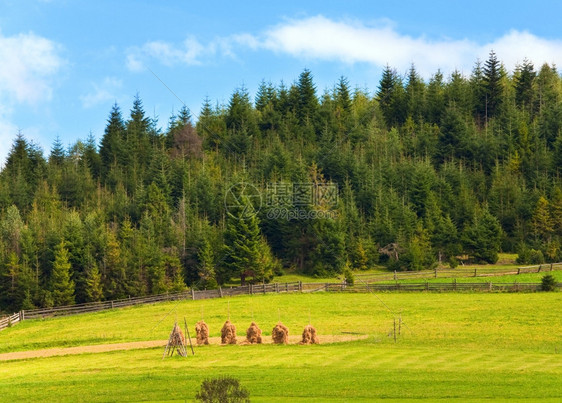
<point>422,172</point>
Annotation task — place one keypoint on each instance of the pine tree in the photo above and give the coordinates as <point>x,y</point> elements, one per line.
<point>391,97</point>
<point>94,289</point>
<point>307,102</point>
<point>62,287</point>
<point>493,74</point>
<point>244,249</point>
<point>542,222</point>
<point>435,99</point>
<point>479,96</point>
<point>207,275</point>
<point>482,237</point>
<point>112,151</point>
<point>57,153</point>
<point>556,211</point>
<point>524,80</point>
<point>415,94</point>
<point>92,157</point>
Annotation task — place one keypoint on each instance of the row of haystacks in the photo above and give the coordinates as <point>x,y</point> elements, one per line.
<point>279,334</point>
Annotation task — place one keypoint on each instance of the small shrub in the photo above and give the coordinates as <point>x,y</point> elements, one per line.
<point>548,283</point>
<point>349,279</point>
<point>222,390</point>
<point>453,262</point>
<point>530,256</point>
<point>536,256</point>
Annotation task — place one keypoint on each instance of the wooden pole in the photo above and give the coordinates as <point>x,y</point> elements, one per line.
<point>188,336</point>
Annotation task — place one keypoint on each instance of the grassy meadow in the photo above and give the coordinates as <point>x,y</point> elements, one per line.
<point>454,346</point>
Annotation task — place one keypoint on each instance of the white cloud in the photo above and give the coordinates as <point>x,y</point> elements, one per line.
<point>107,91</point>
<point>351,42</point>
<point>168,54</point>
<point>354,42</point>
<point>28,67</point>
<point>8,132</point>
<point>28,64</point>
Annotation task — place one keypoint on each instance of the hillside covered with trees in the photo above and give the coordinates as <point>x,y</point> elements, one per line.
<point>424,172</point>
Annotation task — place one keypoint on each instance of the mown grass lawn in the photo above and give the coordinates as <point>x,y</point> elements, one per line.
<point>454,346</point>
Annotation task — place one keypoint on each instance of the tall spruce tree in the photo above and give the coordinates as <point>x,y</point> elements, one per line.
<point>62,287</point>
<point>493,74</point>
<point>245,252</point>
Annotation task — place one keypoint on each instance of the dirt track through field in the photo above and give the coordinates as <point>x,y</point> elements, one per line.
<point>103,348</point>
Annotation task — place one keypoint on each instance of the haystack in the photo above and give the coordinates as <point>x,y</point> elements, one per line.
<point>228,333</point>
<point>202,331</point>
<point>280,334</point>
<point>253,334</point>
<point>176,342</point>
<point>309,336</point>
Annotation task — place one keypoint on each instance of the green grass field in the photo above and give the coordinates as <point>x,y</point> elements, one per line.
<point>453,346</point>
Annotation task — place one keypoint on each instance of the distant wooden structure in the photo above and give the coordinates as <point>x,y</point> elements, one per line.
<point>392,250</point>
<point>176,342</point>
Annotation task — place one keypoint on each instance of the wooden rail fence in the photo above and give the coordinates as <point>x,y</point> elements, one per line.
<point>458,272</point>
<point>361,286</point>
<point>10,320</point>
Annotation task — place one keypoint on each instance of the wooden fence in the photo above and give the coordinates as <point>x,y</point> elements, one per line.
<point>191,294</point>
<point>361,286</point>
<point>435,287</point>
<point>10,320</point>
<point>456,273</point>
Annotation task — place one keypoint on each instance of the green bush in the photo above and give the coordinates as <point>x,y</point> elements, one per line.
<point>530,256</point>
<point>222,390</point>
<point>349,279</point>
<point>548,283</point>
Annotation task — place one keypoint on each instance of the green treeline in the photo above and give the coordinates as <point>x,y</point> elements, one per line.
<point>420,172</point>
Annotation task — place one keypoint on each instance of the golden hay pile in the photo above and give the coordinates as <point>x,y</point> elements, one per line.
<point>177,338</point>
<point>202,331</point>
<point>253,334</point>
<point>280,334</point>
<point>228,333</point>
<point>309,336</point>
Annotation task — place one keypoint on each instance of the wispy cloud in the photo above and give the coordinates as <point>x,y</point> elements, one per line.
<point>168,54</point>
<point>29,65</point>
<point>354,42</point>
<point>106,91</point>
<point>351,42</point>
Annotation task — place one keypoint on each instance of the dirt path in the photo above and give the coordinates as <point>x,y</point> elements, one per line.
<point>103,348</point>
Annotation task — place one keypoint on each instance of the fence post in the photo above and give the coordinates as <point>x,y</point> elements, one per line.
<point>22,316</point>
<point>427,285</point>
<point>192,294</point>
<point>436,272</point>
<point>490,286</point>
<point>277,287</point>
<point>287,287</point>
<point>111,304</point>
<point>220,292</point>
<point>394,275</point>
<point>474,272</point>
<point>551,267</point>
<point>300,285</point>
<point>454,284</point>
<point>519,270</point>
<point>539,268</point>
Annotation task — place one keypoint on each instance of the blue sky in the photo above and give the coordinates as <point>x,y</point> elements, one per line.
<point>64,63</point>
